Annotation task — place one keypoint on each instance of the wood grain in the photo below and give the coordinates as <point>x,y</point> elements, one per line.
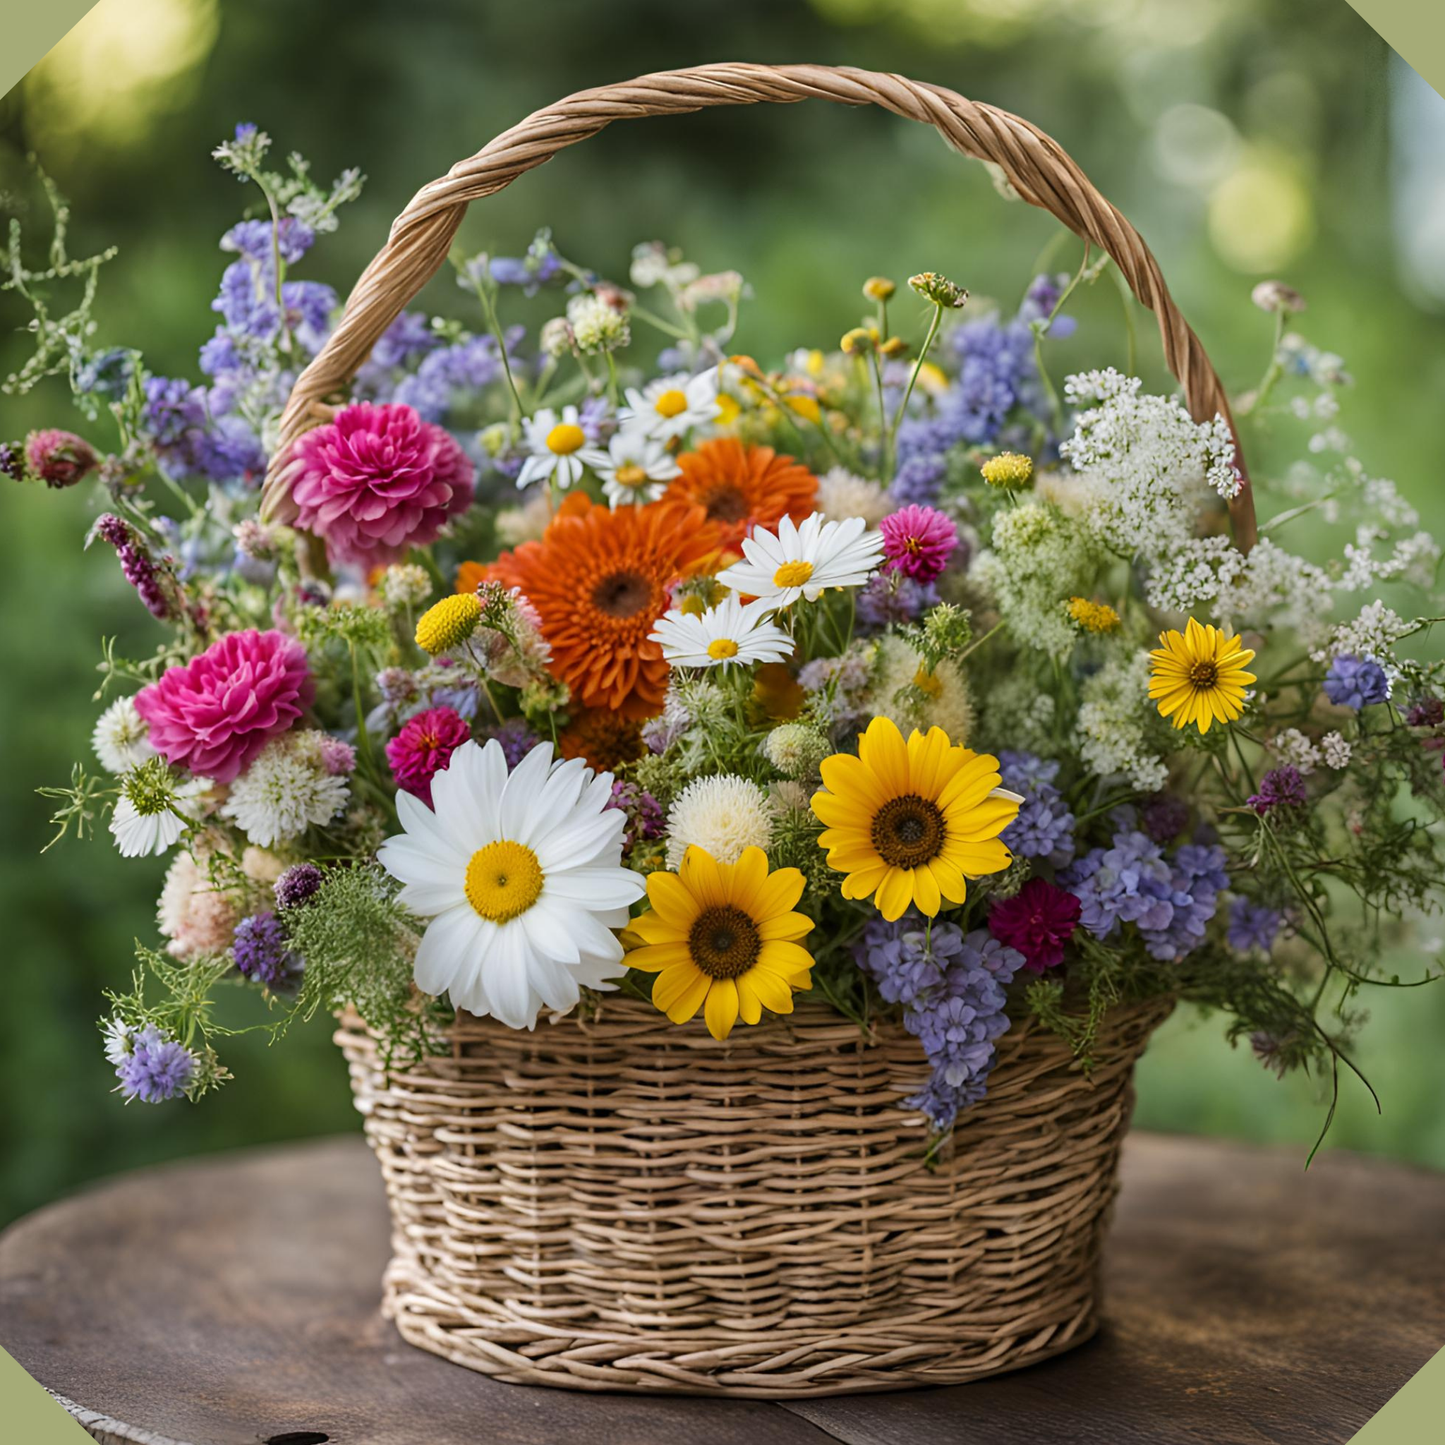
<point>233,1300</point>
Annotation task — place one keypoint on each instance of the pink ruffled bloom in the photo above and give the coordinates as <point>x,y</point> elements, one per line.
<point>424,747</point>
<point>59,458</point>
<point>378,480</point>
<point>1038,921</point>
<point>918,541</point>
<point>218,711</point>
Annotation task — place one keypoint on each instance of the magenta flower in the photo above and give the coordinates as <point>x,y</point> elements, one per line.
<point>918,541</point>
<point>218,711</point>
<point>59,458</point>
<point>424,747</point>
<point>1279,788</point>
<point>1038,921</point>
<point>378,480</point>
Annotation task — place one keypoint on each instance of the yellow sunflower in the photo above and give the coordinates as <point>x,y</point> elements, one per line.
<point>723,938</point>
<point>1198,676</point>
<point>909,822</point>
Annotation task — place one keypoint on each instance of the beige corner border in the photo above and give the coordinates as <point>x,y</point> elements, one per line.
<point>30,30</point>
<point>1414,29</point>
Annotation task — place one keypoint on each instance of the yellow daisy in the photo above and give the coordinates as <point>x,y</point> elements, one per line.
<point>909,822</point>
<point>1198,676</point>
<point>723,938</point>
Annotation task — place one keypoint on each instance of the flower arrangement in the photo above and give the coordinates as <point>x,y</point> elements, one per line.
<point>893,675</point>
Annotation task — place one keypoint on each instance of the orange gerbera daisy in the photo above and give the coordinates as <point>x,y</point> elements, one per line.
<point>742,486</point>
<point>604,739</point>
<point>599,580</point>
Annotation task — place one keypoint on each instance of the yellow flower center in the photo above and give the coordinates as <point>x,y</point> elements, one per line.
<point>671,403</point>
<point>504,880</point>
<point>1204,674</point>
<point>566,438</point>
<point>724,941</point>
<point>908,830</point>
<point>792,574</point>
<point>928,682</point>
<point>630,476</point>
<point>721,648</point>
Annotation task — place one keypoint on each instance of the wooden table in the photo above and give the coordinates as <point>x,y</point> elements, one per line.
<point>234,1300</point>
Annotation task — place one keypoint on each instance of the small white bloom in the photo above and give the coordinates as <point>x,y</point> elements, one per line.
<point>635,468</point>
<point>805,561</point>
<point>521,877</point>
<point>1294,748</point>
<point>557,448</point>
<point>526,523</point>
<point>153,811</point>
<point>671,405</point>
<point>729,633</point>
<point>285,791</point>
<point>115,1039</point>
<point>122,739</point>
<point>722,815</point>
<point>1336,750</point>
<point>842,495</point>
<point>597,326</point>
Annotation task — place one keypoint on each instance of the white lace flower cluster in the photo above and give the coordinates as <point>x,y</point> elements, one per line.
<point>1373,634</point>
<point>286,790</point>
<point>1148,463</point>
<point>1112,723</point>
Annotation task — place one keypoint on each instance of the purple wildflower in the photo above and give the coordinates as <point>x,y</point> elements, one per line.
<point>1044,827</point>
<point>645,818</point>
<point>298,884</point>
<point>259,950</point>
<point>1282,787</point>
<point>1356,682</point>
<point>1252,926</point>
<point>153,1066</point>
<point>12,462</point>
<point>256,239</point>
<point>890,598</point>
<point>1164,817</point>
<point>136,564</point>
<point>1429,712</point>
<point>920,477</point>
<point>516,738</point>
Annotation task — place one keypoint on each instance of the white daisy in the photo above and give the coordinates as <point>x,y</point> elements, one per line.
<point>635,468</point>
<point>556,448</point>
<point>722,815</point>
<point>805,561</point>
<point>122,737</point>
<point>669,406</point>
<point>521,877</point>
<point>728,633</point>
<point>153,810</point>
<point>285,791</point>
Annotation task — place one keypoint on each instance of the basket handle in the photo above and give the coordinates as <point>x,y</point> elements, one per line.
<point>1034,164</point>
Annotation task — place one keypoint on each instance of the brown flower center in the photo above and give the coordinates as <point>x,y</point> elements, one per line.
<point>908,831</point>
<point>724,941</point>
<point>726,504</point>
<point>1204,674</point>
<point>621,595</point>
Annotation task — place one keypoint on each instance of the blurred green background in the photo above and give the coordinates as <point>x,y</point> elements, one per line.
<point>1245,138</point>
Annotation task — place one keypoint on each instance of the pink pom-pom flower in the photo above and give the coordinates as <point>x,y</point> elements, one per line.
<point>424,747</point>
<point>214,714</point>
<point>378,480</point>
<point>59,458</point>
<point>918,541</point>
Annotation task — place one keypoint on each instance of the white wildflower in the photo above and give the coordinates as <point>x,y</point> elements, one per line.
<point>1372,634</point>
<point>1336,751</point>
<point>153,810</point>
<point>285,791</point>
<point>597,326</point>
<point>1113,718</point>
<point>841,495</point>
<point>722,815</point>
<point>122,738</point>
<point>403,585</point>
<point>1293,747</point>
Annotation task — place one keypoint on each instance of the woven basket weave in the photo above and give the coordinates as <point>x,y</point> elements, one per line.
<point>617,1203</point>
<point>621,1204</point>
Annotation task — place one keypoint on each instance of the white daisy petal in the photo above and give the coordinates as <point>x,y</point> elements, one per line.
<point>449,942</point>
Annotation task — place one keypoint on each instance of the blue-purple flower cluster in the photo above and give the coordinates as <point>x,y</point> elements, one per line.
<point>1044,828</point>
<point>150,1065</point>
<point>1356,682</point>
<point>1253,927</point>
<point>951,986</point>
<point>1170,901</point>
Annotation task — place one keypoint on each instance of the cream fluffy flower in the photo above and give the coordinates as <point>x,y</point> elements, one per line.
<point>195,916</point>
<point>285,791</point>
<point>804,561</point>
<point>722,816</point>
<point>841,495</point>
<point>913,698</point>
<point>122,737</point>
<point>521,877</point>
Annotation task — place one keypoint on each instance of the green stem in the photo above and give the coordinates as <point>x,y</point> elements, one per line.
<point>890,434</point>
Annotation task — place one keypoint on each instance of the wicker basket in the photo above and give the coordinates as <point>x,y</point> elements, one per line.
<point>615,1203</point>
<point>620,1204</point>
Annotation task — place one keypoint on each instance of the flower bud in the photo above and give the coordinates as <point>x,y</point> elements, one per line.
<point>1274,296</point>
<point>938,289</point>
<point>878,288</point>
<point>59,458</point>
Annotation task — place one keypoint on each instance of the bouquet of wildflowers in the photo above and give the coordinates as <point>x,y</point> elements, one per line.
<point>894,677</point>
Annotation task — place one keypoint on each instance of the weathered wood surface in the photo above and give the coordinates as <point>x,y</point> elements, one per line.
<point>233,1301</point>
